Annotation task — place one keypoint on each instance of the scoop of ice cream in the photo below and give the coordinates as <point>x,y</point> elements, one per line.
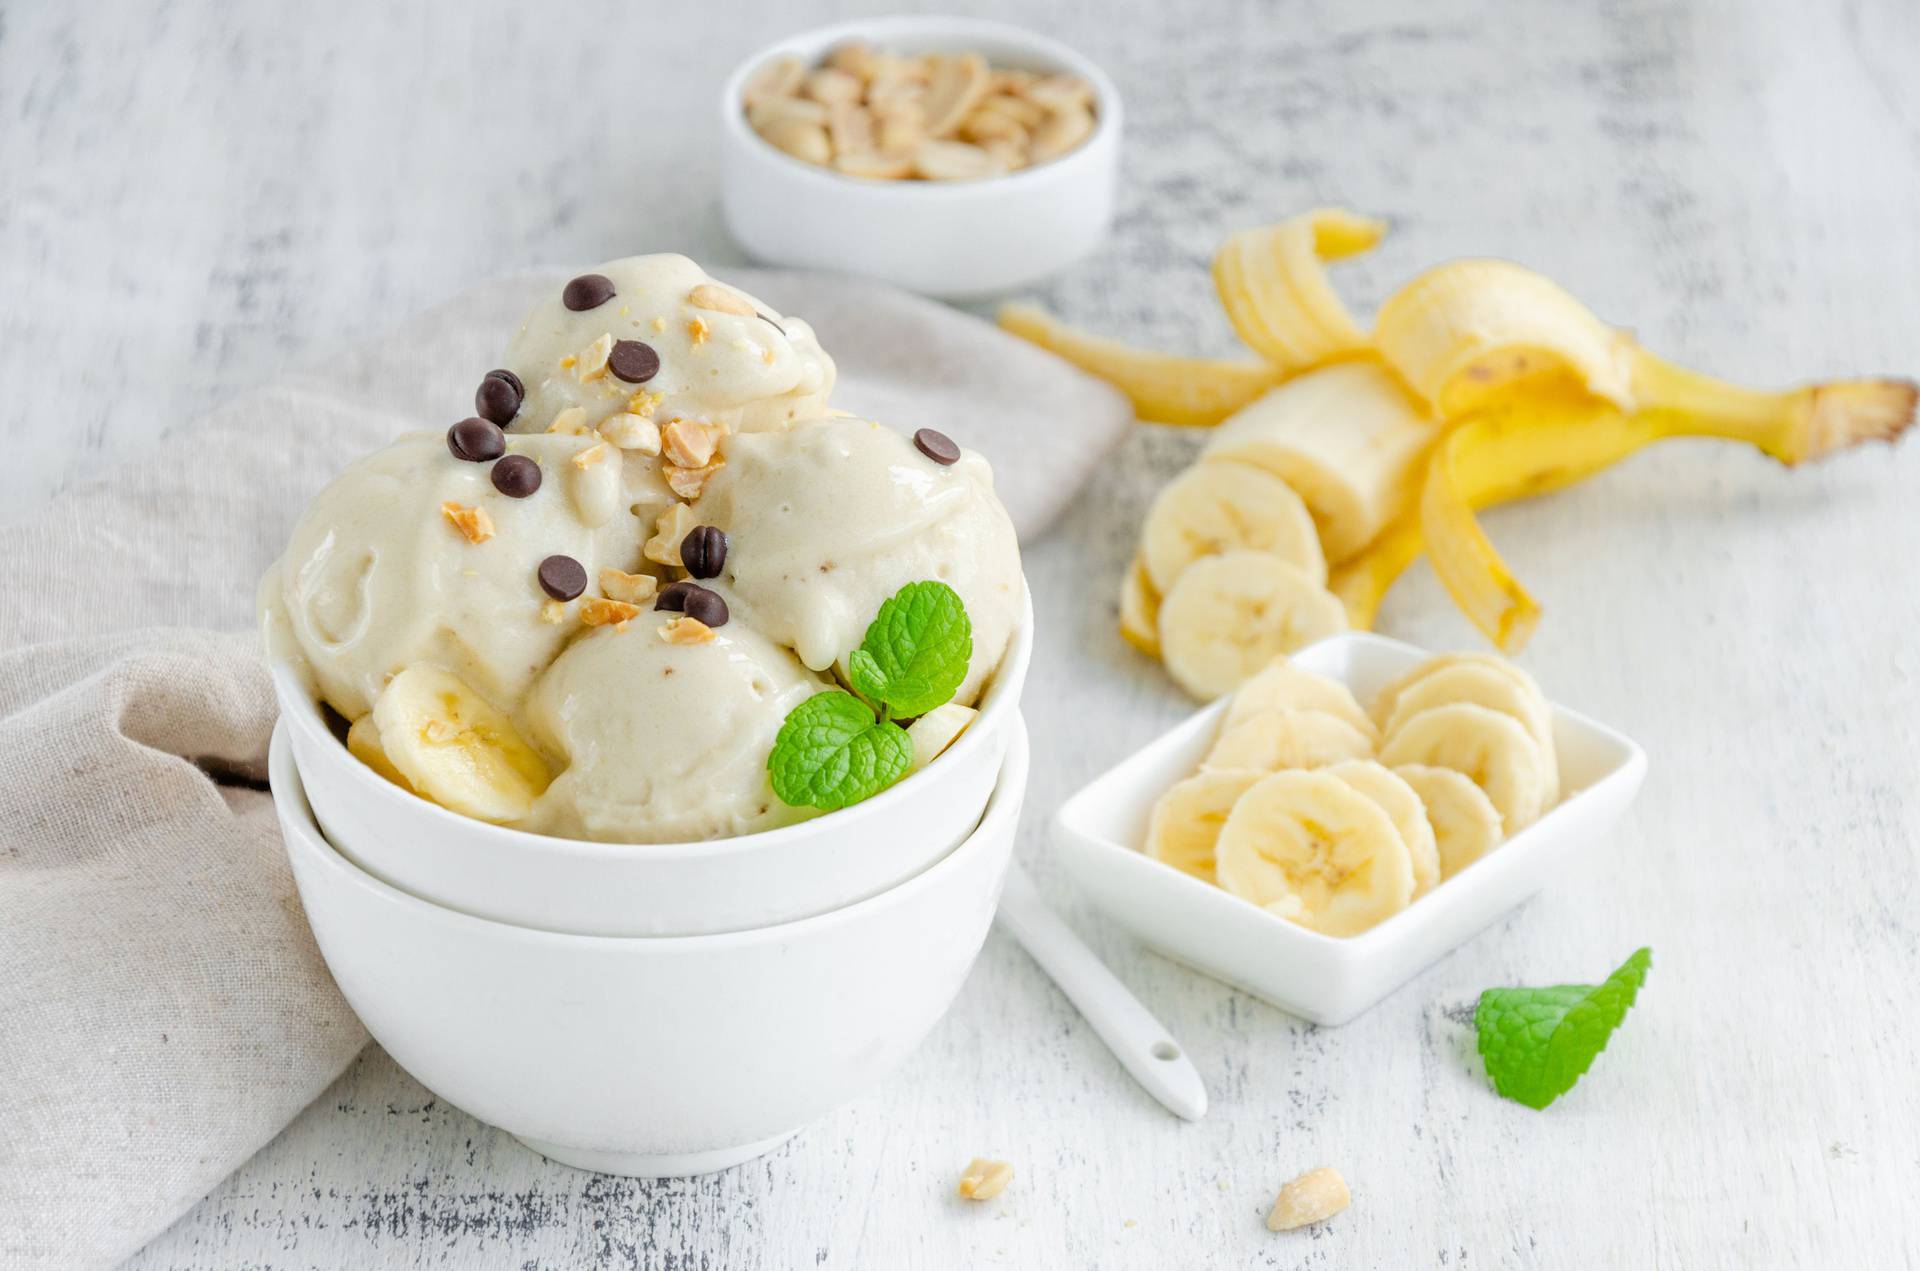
<point>384,570</point>
<point>656,335</point>
<point>663,742</point>
<point>825,521</point>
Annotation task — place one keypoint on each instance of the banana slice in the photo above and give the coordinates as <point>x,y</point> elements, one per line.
<point>934,731</point>
<point>1509,691</point>
<point>456,748</point>
<point>1217,507</point>
<point>1315,851</point>
<point>1469,331</point>
<point>1284,686</point>
<point>1165,388</point>
<point>1403,806</point>
<point>1273,284</point>
<point>1140,610</point>
<point>1348,439</point>
<point>1492,749</point>
<point>363,743</point>
<point>1186,819</point>
<point>1275,740</point>
<point>1384,701</point>
<point>1232,614</point>
<point>1466,825</point>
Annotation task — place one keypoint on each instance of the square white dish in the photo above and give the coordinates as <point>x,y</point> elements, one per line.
<point>1327,979</point>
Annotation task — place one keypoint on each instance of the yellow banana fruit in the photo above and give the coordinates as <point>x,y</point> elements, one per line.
<point>1477,333</point>
<point>1164,388</point>
<point>1346,437</point>
<point>1273,284</point>
<point>1548,439</point>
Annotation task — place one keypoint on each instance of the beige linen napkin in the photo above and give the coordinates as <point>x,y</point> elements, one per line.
<point>163,1010</point>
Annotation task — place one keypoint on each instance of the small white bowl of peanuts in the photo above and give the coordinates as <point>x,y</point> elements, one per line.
<point>954,157</point>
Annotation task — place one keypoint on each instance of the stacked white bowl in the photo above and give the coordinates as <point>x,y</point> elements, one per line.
<point>652,1009</point>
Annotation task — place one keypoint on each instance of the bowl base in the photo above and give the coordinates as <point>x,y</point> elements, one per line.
<point>647,1165</point>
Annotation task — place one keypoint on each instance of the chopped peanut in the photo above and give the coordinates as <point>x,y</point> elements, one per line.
<point>473,522</point>
<point>984,1179</point>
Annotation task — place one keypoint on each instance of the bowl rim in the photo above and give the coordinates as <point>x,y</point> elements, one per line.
<point>1002,698</point>
<point>296,814</point>
<point>1106,121</point>
<point>1631,770</point>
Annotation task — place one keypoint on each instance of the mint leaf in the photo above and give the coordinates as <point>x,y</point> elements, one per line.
<point>869,679</point>
<point>916,651</point>
<point>831,753</point>
<point>1538,1042</point>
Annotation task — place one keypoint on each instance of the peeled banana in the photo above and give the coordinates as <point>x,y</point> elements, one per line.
<point>1467,758</point>
<point>1230,615</point>
<point>1140,610</point>
<point>1218,507</point>
<point>1186,820</point>
<point>1492,749</point>
<point>1481,382</point>
<point>1347,438</point>
<point>1312,849</point>
<point>455,747</point>
<point>1466,825</point>
<point>1403,806</point>
<point>1282,686</point>
<point>363,743</point>
<point>1273,740</point>
<point>934,731</point>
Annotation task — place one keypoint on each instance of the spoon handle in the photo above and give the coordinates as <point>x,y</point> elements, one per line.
<point>1128,1028</point>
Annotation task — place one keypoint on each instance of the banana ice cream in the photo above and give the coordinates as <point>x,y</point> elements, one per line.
<point>829,520</point>
<point>411,555</point>
<point>679,752</point>
<point>656,337</point>
<point>589,609</point>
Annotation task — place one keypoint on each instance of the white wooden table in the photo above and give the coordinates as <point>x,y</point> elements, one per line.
<point>193,197</point>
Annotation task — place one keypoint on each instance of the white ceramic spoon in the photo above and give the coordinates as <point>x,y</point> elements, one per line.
<point>1129,1030</point>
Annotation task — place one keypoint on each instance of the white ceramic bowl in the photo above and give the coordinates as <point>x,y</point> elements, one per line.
<point>956,240</point>
<point>651,1057</point>
<point>653,889</point>
<point>1326,979</point>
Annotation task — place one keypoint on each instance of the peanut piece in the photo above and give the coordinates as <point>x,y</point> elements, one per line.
<point>472,522</point>
<point>984,1179</point>
<point>1315,1195</point>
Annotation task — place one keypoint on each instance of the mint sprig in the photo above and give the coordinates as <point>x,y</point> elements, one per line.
<point>1538,1042</point>
<point>836,749</point>
<point>915,652</point>
<point>832,752</point>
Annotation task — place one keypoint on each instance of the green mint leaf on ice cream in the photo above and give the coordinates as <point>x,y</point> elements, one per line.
<point>915,653</point>
<point>836,749</point>
<point>1538,1042</point>
<point>832,752</point>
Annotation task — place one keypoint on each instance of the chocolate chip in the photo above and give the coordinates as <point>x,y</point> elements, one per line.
<point>516,476</point>
<point>633,361</point>
<point>706,606</point>
<point>562,577</point>
<point>588,291</point>
<point>504,374</point>
<point>673,597</point>
<point>937,446</point>
<point>476,440</point>
<point>496,400</point>
<point>704,551</point>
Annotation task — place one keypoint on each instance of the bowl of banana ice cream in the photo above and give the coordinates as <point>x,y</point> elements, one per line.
<point>651,1057</point>
<point>557,664</point>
